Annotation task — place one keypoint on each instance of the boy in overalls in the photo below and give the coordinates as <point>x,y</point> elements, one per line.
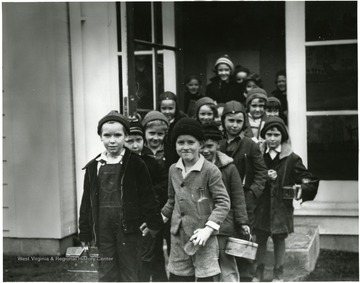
<point>116,202</point>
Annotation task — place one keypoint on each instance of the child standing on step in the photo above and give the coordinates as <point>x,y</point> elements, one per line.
<point>274,213</point>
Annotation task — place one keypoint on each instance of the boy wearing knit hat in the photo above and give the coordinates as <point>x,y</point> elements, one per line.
<point>110,185</point>
<point>153,262</point>
<point>222,86</point>
<point>236,220</point>
<point>198,204</point>
<point>274,214</point>
<point>255,104</point>
<point>248,161</point>
<point>155,125</point>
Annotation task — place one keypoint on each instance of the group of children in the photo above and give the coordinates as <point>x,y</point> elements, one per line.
<point>192,182</point>
<point>233,83</point>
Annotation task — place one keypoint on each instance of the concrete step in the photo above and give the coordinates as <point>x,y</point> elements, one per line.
<point>302,251</point>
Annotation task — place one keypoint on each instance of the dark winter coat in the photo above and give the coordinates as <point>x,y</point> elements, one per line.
<point>237,215</point>
<point>138,200</point>
<point>222,92</point>
<point>158,174</point>
<point>189,103</point>
<point>171,155</point>
<point>252,169</point>
<point>275,214</point>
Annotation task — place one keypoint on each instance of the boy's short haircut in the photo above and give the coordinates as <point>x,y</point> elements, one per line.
<point>157,123</point>
<point>187,126</point>
<point>273,104</point>
<point>114,116</point>
<point>211,131</point>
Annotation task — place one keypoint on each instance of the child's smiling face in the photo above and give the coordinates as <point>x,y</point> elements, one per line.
<point>281,82</point>
<point>193,86</point>
<point>188,148</point>
<point>205,114</point>
<point>223,71</point>
<point>257,108</point>
<point>155,136</point>
<point>168,108</point>
<point>209,149</point>
<point>113,137</point>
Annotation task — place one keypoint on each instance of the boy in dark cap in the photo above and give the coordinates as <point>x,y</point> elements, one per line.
<point>248,161</point>
<point>116,203</point>
<point>236,221</point>
<point>274,214</point>
<point>153,265</point>
<point>198,203</point>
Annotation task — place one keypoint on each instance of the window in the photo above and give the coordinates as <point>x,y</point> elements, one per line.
<point>331,89</point>
<point>153,44</point>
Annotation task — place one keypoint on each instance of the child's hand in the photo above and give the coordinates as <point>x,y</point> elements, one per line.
<point>84,244</point>
<point>145,230</point>
<point>164,218</point>
<point>272,174</point>
<point>245,229</point>
<point>200,236</point>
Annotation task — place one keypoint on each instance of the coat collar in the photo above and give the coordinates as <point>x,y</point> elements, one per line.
<point>286,149</point>
<point>222,159</point>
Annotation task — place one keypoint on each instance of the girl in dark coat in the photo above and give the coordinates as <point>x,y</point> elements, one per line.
<point>274,213</point>
<point>193,93</point>
<point>222,87</point>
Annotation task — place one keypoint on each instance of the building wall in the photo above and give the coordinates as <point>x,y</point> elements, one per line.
<point>39,172</point>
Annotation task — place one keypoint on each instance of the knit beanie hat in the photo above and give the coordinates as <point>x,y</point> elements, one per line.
<point>154,115</point>
<point>167,95</point>
<point>211,131</point>
<point>224,60</point>
<point>203,101</point>
<point>274,99</point>
<point>187,126</point>
<point>256,93</point>
<point>136,128</point>
<point>114,115</point>
<point>233,107</point>
<point>277,122</point>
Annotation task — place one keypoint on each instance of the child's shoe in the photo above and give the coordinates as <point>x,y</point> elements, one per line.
<point>278,275</point>
<point>259,274</point>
